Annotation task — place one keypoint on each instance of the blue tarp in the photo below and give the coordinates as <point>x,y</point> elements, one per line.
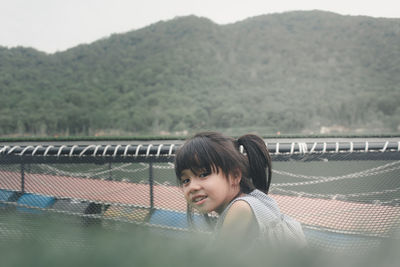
<point>34,200</point>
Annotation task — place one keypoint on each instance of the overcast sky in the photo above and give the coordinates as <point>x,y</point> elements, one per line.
<point>55,25</point>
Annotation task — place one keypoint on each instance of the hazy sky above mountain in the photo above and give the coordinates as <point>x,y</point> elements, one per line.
<point>55,25</point>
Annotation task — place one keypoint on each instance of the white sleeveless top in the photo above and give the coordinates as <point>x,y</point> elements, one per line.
<point>274,227</point>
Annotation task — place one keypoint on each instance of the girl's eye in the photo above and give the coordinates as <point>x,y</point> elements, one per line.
<point>204,174</point>
<point>185,181</point>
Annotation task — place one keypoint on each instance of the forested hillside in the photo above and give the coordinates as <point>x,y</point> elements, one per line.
<point>291,72</point>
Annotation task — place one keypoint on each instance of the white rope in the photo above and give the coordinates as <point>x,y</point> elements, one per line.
<point>385,146</point>
<point>302,148</point>
<point>59,150</point>
<point>169,167</point>
<point>329,177</point>
<point>366,146</point>
<point>126,150</point>
<point>87,174</point>
<point>337,147</point>
<point>38,181</point>
<point>324,148</point>
<point>305,148</point>
<point>334,196</point>
<point>47,150</point>
<point>170,149</point>
<point>137,150</point>
<point>95,172</point>
<point>277,148</point>
<point>72,150</point>
<point>321,179</point>
<point>146,166</point>
<point>12,149</point>
<point>292,148</point>
<point>3,150</point>
<point>148,150</point>
<point>95,150</point>
<point>117,169</point>
<point>85,149</point>
<point>116,150</point>
<point>313,147</point>
<point>25,149</point>
<point>159,150</point>
<point>105,149</point>
<point>351,147</point>
<point>36,149</point>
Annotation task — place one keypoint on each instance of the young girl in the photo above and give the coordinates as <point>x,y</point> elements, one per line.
<point>232,177</point>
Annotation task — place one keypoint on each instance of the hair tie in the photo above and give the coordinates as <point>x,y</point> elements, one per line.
<point>239,145</point>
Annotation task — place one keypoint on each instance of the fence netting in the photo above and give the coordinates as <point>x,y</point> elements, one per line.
<point>345,194</point>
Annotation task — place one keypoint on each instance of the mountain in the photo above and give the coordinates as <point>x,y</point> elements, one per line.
<point>290,72</point>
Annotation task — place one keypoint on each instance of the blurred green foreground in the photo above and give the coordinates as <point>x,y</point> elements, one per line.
<point>61,240</point>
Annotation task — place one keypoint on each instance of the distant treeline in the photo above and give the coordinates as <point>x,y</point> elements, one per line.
<point>291,72</point>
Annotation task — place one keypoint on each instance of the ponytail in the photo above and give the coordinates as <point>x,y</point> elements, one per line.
<point>259,168</point>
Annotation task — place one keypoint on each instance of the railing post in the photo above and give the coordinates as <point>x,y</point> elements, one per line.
<point>110,171</point>
<point>22,177</point>
<point>151,184</point>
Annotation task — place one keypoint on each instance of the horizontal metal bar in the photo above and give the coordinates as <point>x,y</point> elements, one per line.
<point>170,149</point>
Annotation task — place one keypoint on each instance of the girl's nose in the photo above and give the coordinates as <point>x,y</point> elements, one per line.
<point>194,185</point>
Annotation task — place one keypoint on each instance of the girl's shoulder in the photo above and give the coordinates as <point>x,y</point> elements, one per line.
<point>239,217</point>
<point>262,207</point>
<point>272,224</point>
<point>237,222</point>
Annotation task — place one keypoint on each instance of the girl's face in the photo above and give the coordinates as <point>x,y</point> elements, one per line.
<point>208,192</point>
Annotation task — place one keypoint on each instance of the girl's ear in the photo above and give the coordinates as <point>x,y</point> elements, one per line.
<point>236,176</point>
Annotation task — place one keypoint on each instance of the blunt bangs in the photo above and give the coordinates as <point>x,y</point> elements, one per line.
<point>197,154</point>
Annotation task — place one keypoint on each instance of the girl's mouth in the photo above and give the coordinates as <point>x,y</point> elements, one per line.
<point>198,200</point>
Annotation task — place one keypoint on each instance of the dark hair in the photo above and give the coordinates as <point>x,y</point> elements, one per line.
<point>213,151</point>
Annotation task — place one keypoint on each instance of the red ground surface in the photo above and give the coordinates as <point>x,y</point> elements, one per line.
<point>334,214</point>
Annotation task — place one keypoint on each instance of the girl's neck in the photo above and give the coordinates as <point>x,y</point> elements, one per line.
<point>221,209</point>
